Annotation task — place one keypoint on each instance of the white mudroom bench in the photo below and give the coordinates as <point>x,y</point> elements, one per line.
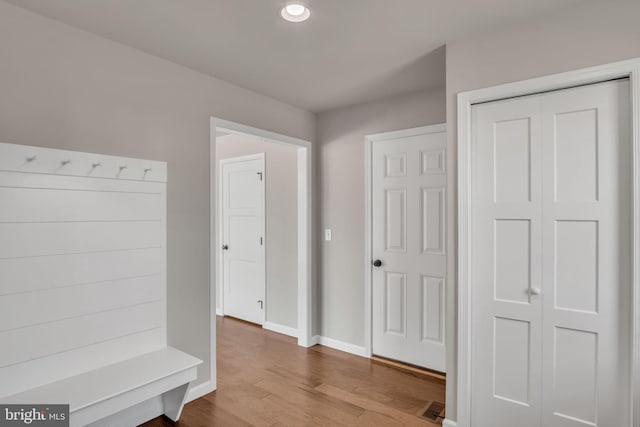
<point>83,287</point>
<point>95,395</point>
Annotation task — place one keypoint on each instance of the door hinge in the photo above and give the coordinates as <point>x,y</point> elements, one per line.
<point>259,173</point>
<point>261,241</point>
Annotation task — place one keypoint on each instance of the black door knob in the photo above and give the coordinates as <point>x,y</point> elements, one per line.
<point>225,247</point>
<point>377,263</point>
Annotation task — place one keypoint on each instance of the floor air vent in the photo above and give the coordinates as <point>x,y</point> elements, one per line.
<point>434,412</point>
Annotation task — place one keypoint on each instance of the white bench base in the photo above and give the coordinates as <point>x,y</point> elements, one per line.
<point>103,392</point>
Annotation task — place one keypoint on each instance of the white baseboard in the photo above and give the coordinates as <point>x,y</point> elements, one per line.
<point>281,329</point>
<point>199,391</point>
<point>341,345</point>
<point>219,312</point>
<point>449,423</point>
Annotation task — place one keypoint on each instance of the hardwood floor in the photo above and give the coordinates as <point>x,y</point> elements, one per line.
<point>265,379</point>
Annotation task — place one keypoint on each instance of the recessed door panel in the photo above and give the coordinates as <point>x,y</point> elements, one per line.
<point>576,265</point>
<point>511,364</point>
<point>396,165</point>
<point>396,303</point>
<point>512,151</point>
<point>575,375</point>
<point>433,309</point>
<point>433,220</point>
<point>433,161</point>
<point>576,152</point>
<point>243,230</point>
<point>512,260</point>
<point>396,220</point>
<point>243,191</point>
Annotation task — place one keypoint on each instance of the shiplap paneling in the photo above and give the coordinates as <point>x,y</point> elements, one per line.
<point>82,262</point>
<point>56,271</point>
<point>25,205</point>
<point>50,238</point>
<point>62,303</point>
<point>33,342</point>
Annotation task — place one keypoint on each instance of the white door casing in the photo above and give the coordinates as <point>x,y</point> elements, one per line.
<point>408,196</point>
<point>551,256</point>
<point>243,239</point>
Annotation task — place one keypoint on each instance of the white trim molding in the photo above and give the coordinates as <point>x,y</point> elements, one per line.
<point>305,225</point>
<point>281,329</point>
<point>341,345</point>
<point>625,69</point>
<point>448,423</point>
<point>368,218</point>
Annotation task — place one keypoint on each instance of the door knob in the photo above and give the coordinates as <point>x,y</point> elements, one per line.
<point>377,263</point>
<point>535,291</point>
<point>225,247</point>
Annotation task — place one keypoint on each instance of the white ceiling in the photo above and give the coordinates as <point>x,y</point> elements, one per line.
<point>348,52</point>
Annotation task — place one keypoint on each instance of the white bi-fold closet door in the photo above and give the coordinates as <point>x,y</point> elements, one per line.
<point>551,271</point>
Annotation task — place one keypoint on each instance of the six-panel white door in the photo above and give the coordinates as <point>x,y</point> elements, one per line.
<point>408,226</point>
<point>551,275</point>
<point>243,249</point>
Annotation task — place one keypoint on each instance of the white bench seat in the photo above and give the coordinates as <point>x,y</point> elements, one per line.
<point>107,390</point>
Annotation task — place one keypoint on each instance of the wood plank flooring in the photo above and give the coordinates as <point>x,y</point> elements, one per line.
<point>265,379</point>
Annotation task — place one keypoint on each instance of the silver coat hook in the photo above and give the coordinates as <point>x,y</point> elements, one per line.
<point>147,170</point>
<point>65,162</point>
<point>95,165</point>
<point>31,159</point>
<point>123,167</point>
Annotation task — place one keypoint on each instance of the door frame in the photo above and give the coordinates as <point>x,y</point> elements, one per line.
<point>305,234</point>
<point>624,69</point>
<point>368,219</point>
<point>223,162</point>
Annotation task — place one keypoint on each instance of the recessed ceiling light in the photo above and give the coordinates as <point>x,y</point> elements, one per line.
<point>295,12</point>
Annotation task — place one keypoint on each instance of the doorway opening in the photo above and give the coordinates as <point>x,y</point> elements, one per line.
<point>302,153</point>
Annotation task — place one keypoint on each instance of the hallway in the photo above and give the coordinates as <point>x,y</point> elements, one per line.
<point>265,379</point>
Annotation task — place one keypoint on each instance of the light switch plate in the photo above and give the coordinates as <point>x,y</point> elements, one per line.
<point>327,234</point>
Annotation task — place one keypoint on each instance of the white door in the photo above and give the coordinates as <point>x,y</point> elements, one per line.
<point>243,246</point>
<point>408,242</point>
<point>550,296</point>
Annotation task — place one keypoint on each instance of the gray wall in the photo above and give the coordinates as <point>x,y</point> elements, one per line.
<point>341,192</point>
<point>65,88</point>
<point>575,38</point>
<point>281,182</point>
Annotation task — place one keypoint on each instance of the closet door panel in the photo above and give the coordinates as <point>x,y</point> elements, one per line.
<point>506,313</point>
<point>586,265</point>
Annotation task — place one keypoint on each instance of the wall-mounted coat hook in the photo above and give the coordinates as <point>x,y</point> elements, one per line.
<point>31,158</point>
<point>123,167</point>
<point>95,165</point>
<point>147,170</point>
<point>65,162</point>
